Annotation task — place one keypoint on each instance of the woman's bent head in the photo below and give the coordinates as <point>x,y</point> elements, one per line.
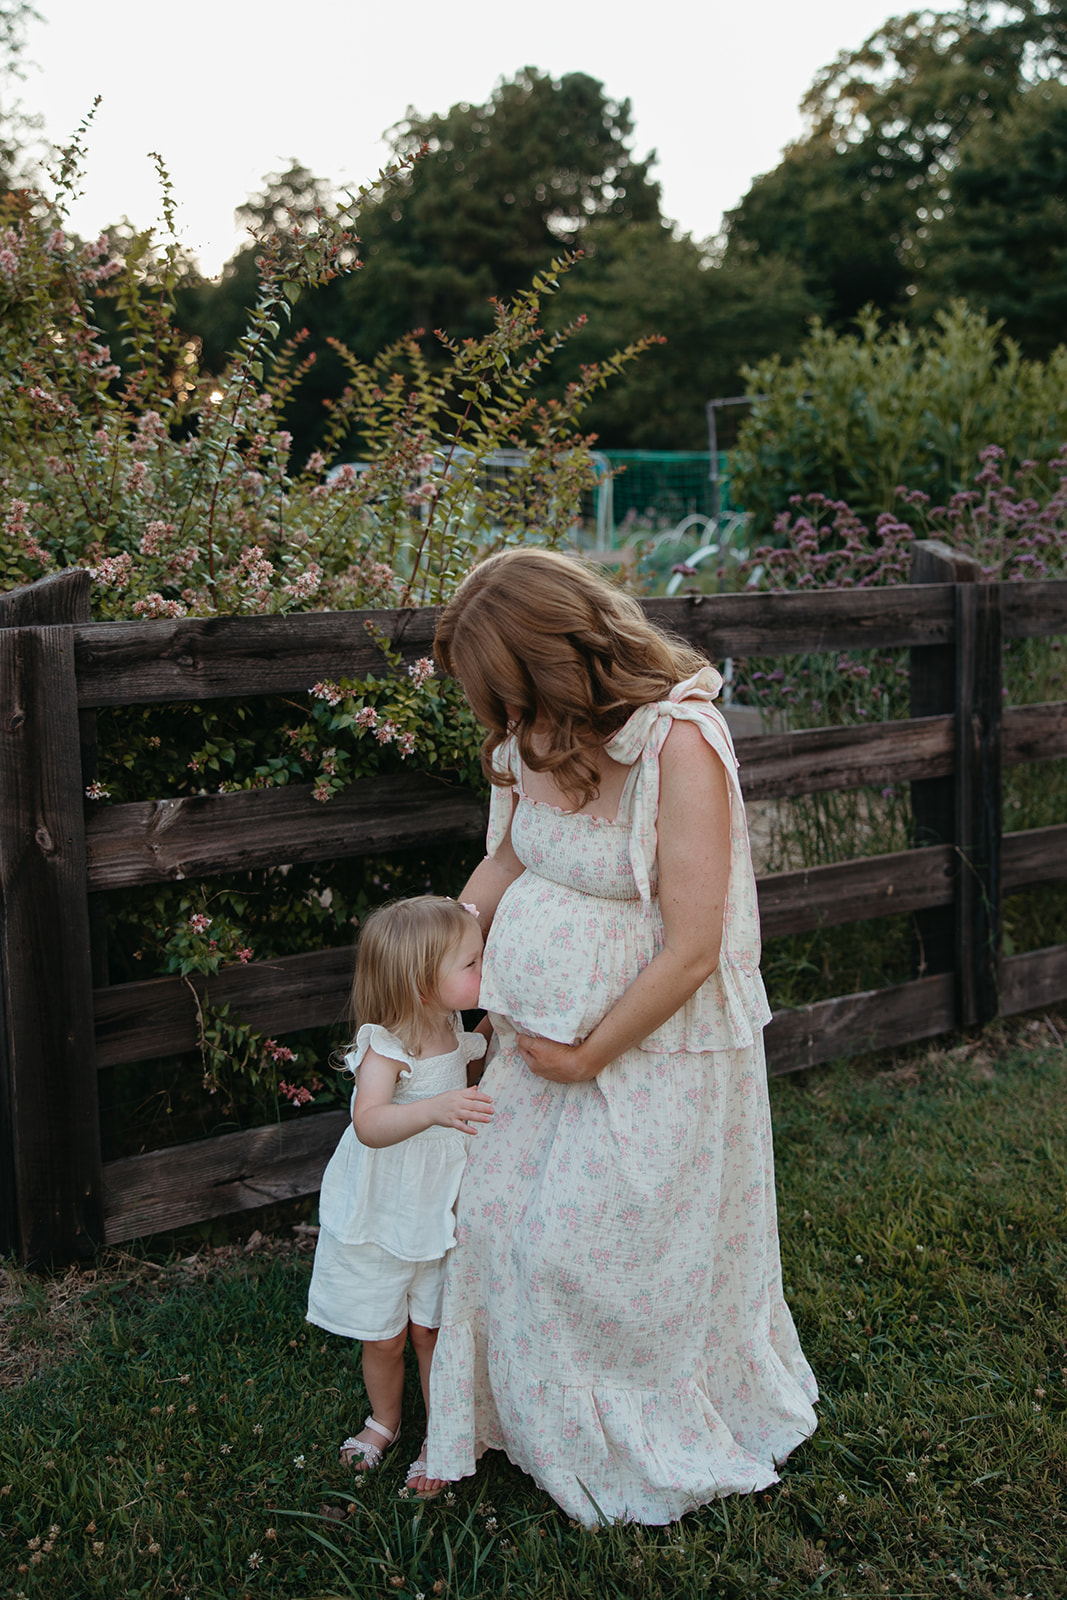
<point>539,637</point>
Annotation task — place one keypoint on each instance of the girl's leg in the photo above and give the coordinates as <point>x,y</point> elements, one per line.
<point>424,1340</point>
<point>383,1378</point>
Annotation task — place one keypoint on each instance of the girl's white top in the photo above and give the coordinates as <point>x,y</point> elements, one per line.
<point>402,1197</point>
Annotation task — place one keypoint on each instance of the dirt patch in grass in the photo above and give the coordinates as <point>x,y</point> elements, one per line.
<point>43,1317</point>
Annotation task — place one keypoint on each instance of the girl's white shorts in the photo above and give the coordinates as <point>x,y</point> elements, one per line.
<point>362,1292</point>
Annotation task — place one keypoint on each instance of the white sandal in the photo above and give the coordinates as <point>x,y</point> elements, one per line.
<point>368,1455</point>
<point>417,1469</point>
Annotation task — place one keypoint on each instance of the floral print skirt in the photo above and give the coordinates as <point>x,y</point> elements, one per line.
<point>613,1317</point>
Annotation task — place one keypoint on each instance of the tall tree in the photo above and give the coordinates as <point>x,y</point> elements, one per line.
<point>1000,240</point>
<point>714,320</point>
<point>17,128</point>
<point>498,190</point>
<point>489,195</point>
<point>850,203</point>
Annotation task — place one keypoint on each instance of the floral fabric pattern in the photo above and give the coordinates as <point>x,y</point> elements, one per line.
<point>614,1317</point>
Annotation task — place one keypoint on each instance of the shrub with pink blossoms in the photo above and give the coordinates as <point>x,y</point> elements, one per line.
<point>178,492</point>
<point>177,489</point>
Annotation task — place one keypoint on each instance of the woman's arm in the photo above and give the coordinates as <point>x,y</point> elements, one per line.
<point>486,885</point>
<point>693,853</point>
<point>379,1123</point>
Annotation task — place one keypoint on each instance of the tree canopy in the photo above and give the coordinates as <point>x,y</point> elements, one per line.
<point>485,198</point>
<point>904,132</point>
<point>17,128</point>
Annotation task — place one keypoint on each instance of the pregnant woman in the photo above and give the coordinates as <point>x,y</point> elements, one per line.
<point>613,1316</point>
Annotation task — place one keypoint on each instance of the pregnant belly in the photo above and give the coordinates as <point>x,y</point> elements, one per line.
<point>556,959</point>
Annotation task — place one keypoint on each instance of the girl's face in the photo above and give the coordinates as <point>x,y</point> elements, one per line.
<point>460,975</point>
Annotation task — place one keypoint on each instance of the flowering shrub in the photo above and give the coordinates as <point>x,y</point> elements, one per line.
<point>179,493</point>
<point>855,414</point>
<point>1016,529</point>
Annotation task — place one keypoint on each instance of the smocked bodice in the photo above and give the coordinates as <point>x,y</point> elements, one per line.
<point>572,932</point>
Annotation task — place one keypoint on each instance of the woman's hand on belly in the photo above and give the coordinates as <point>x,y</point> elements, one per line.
<point>559,1063</point>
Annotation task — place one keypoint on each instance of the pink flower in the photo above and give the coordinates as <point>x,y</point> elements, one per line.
<point>114,571</point>
<point>330,692</point>
<point>244,956</point>
<point>306,585</point>
<point>199,923</point>
<point>386,733</point>
<point>421,672</point>
<point>278,1052</point>
<point>366,717</point>
<point>406,742</point>
<point>155,537</point>
<point>96,791</point>
<point>154,605</point>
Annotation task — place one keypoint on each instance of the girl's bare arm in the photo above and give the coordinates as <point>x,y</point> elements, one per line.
<point>378,1123</point>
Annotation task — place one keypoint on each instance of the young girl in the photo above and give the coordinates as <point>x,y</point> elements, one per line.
<point>386,1208</point>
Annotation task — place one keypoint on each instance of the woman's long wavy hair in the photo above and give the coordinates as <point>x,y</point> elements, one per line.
<point>539,637</point>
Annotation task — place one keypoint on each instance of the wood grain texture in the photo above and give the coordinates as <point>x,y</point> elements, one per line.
<point>877,886</point>
<point>1034,980</point>
<point>48,1061</point>
<point>857,1023</point>
<point>221,1177</point>
<point>979,708</point>
<point>135,1021</point>
<point>203,658</point>
<point>211,658</point>
<point>61,597</point>
<point>814,759</point>
<point>165,840</point>
<point>1034,733</point>
<point>1034,610</point>
<point>787,623</point>
<point>1035,857</point>
<point>932,692</point>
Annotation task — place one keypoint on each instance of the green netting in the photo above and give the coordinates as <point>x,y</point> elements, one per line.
<point>652,490</point>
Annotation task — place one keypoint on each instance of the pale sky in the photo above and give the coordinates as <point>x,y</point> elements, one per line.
<point>230,91</point>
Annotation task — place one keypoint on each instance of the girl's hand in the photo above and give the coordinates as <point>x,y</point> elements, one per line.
<point>560,1063</point>
<point>462,1109</point>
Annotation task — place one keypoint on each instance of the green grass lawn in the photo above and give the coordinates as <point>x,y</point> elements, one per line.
<point>170,1425</point>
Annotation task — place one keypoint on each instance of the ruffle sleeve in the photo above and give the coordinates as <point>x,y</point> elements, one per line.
<point>474,1046</point>
<point>371,1036</point>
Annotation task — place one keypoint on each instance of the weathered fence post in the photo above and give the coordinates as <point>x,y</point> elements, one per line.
<point>963,678</point>
<point>49,1124</point>
<point>979,712</point>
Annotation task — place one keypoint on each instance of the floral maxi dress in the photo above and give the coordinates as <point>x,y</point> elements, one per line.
<point>613,1316</point>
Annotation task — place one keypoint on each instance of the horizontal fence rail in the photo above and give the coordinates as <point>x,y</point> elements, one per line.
<point>133,663</point>
<point>60,1197</point>
<point>293,992</point>
<point>154,841</point>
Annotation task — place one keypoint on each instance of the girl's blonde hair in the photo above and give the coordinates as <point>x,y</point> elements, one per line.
<point>401,950</point>
<point>534,634</point>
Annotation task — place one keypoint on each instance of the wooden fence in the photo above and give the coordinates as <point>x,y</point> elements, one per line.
<point>62,1022</point>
